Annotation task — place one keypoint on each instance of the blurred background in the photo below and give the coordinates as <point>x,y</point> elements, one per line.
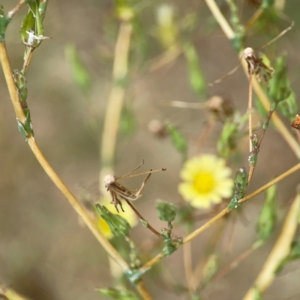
<point>45,252</point>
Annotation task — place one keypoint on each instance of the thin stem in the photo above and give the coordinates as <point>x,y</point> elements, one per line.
<point>237,261</point>
<point>225,211</point>
<point>16,8</point>
<point>220,19</point>
<point>140,287</point>
<point>165,58</point>
<point>279,252</point>
<point>207,129</point>
<point>261,136</point>
<point>11,84</point>
<point>210,248</point>
<point>272,182</point>
<point>188,270</point>
<point>27,58</point>
<point>46,166</point>
<point>142,218</point>
<point>10,294</point>
<point>258,90</point>
<point>253,19</point>
<point>250,108</point>
<point>115,102</point>
<point>206,225</point>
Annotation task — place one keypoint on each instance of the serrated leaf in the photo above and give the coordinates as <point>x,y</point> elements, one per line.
<point>166,211</point>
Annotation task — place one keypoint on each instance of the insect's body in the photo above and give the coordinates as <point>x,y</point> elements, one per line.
<point>119,192</point>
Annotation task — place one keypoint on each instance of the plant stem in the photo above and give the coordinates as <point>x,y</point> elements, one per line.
<point>237,261</point>
<point>140,287</point>
<point>250,108</point>
<point>188,268</point>
<point>258,90</point>
<point>16,8</point>
<point>253,19</point>
<point>220,19</point>
<point>10,294</point>
<point>279,252</point>
<point>115,102</point>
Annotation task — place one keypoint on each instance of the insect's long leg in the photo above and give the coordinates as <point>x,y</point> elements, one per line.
<point>115,201</point>
<point>143,184</point>
<point>125,175</point>
<point>144,173</point>
<point>145,223</point>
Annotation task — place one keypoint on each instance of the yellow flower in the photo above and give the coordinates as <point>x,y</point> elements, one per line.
<point>206,181</point>
<point>128,214</point>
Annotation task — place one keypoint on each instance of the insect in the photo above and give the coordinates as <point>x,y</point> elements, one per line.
<point>119,192</point>
<point>32,38</point>
<point>296,122</point>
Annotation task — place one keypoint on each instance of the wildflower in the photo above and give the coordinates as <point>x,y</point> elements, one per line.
<point>128,214</point>
<point>206,181</point>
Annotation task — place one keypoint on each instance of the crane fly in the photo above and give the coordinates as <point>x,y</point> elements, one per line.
<point>119,192</point>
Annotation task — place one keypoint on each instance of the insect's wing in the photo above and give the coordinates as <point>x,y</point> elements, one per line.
<point>124,192</point>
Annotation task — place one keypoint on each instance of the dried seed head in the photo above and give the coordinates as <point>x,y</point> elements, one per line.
<point>158,128</point>
<point>221,107</point>
<point>108,179</point>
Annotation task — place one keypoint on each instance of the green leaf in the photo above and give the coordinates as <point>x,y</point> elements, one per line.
<point>280,86</point>
<point>127,121</point>
<point>257,294</point>
<point>171,243</point>
<point>228,139</point>
<point>32,23</point>
<point>21,84</point>
<point>117,224</point>
<point>289,107</point>
<point>196,76</point>
<point>178,139</point>
<point>144,223</point>
<point>240,186</point>
<point>134,276</point>
<point>268,215</point>
<point>79,71</point>
<point>293,255</point>
<point>210,269</point>
<point>4,21</point>
<point>26,128</point>
<point>118,294</point>
<point>166,211</point>
<point>267,4</point>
